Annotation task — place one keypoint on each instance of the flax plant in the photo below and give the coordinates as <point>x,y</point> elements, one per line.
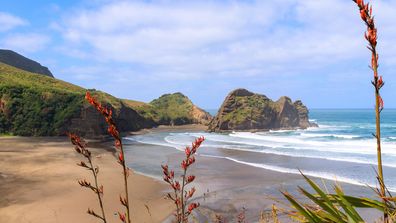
<point>180,194</point>
<point>339,207</point>
<point>80,147</point>
<point>113,131</point>
<point>371,36</point>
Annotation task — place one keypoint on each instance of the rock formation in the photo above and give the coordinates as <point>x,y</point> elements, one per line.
<point>177,109</point>
<point>244,110</point>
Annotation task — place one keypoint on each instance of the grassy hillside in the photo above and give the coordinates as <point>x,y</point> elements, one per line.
<point>173,109</point>
<point>169,109</point>
<point>166,110</point>
<point>33,104</point>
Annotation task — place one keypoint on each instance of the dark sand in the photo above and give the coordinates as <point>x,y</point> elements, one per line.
<point>226,188</point>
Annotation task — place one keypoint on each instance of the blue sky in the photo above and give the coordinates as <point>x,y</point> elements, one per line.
<point>311,50</point>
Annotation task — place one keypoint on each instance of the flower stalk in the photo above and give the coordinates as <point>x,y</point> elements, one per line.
<point>80,147</point>
<point>371,36</point>
<point>180,195</point>
<point>113,131</point>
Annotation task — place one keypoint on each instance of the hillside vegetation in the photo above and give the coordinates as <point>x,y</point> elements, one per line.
<point>36,105</point>
<point>33,104</point>
<point>172,109</point>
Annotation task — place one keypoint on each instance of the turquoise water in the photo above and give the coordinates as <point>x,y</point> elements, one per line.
<point>342,147</point>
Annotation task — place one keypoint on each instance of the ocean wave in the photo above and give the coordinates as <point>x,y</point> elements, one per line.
<point>362,146</point>
<point>155,143</point>
<point>323,175</point>
<point>281,130</point>
<point>329,135</point>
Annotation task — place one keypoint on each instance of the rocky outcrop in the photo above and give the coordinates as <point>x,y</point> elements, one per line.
<point>200,116</point>
<point>16,60</point>
<point>245,110</point>
<point>175,109</point>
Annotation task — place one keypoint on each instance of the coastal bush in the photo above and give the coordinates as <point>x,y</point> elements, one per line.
<point>27,111</point>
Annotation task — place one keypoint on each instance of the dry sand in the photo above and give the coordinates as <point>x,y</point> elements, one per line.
<point>38,183</point>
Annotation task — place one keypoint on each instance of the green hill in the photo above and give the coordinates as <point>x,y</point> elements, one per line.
<point>172,109</point>
<point>14,59</point>
<point>39,105</point>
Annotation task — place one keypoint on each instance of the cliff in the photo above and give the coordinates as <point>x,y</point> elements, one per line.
<point>245,110</point>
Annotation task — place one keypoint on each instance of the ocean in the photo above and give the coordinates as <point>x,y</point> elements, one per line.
<point>342,148</point>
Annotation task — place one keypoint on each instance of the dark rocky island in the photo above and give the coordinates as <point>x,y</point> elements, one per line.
<point>245,110</point>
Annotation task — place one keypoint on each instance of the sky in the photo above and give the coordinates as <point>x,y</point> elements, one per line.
<point>311,50</point>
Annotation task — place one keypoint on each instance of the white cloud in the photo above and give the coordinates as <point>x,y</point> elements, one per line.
<point>189,39</point>
<point>25,42</point>
<point>8,21</point>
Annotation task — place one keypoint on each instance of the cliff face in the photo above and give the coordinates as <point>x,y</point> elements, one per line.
<point>244,110</point>
<point>16,60</point>
<point>90,123</point>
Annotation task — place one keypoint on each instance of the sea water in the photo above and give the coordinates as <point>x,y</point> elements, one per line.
<point>342,148</point>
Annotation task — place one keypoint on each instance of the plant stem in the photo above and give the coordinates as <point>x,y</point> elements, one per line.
<point>182,196</point>
<point>378,124</point>
<point>97,188</point>
<point>125,183</point>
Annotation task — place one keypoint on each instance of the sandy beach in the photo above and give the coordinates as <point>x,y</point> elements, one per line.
<point>38,183</point>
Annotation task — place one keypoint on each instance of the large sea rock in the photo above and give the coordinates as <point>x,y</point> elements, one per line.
<point>245,110</point>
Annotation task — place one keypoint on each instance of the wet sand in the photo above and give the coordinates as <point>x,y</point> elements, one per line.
<point>226,188</point>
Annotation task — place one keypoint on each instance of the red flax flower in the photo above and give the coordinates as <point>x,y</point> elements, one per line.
<point>366,13</point>
<point>113,131</point>
<point>80,147</point>
<point>180,195</point>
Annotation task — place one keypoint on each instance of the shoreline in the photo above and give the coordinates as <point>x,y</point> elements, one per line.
<point>165,128</point>
<point>225,190</point>
<point>252,187</point>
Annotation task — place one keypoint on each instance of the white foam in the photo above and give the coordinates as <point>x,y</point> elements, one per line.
<point>363,146</point>
<point>281,130</point>
<point>323,175</point>
<point>329,135</point>
<point>156,143</point>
